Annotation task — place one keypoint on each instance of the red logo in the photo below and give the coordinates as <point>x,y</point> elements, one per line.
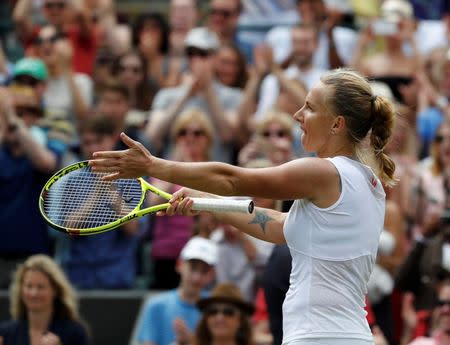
<point>373,182</point>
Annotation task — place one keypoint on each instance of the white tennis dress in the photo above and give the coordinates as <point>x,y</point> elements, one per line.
<point>333,252</point>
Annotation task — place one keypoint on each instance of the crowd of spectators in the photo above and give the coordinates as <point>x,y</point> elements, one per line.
<point>217,80</point>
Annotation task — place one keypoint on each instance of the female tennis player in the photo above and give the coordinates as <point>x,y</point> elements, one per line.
<point>334,225</point>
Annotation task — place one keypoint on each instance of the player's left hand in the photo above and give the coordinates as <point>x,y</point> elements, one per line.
<point>181,202</point>
<point>133,162</point>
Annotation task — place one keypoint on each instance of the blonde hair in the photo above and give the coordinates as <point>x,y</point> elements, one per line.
<point>65,304</point>
<point>193,115</point>
<point>350,95</point>
<point>283,119</point>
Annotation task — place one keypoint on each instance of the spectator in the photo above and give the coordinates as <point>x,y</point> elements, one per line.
<point>69,95</point>
<point>335,43</point>
<point>43,307</point>
<point>183,17</point>
<point>237,255</point>
<point>173,315</point>
<point>425,265</point>
<point>31,72</point>
<point>107,260</point>
<point>273,139</point>
<point>391,65</point>
<point>433,99</point>
<point>27,163</point>
<point>192,132</point>
<point>200,90</point>
<point>439,323</point>
<point>130,70</point>
<point>304,44</point>
<point>225,318</point>
<point>223,16</point>
<point>231,68</point>
<point>151,38</point>
<point>74,22</point>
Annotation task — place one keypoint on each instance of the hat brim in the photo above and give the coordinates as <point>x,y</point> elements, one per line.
<point>246,307</point>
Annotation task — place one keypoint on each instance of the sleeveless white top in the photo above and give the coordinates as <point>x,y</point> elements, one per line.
<point>333,252</point>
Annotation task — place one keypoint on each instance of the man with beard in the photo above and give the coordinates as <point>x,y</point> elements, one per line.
<point>301,67</point>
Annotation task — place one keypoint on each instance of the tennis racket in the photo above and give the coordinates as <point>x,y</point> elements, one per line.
<point>77,201</point>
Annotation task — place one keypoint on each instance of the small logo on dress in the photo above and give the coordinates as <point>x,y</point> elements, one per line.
<point>374,182</point>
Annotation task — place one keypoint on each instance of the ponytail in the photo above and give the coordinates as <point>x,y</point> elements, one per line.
<point>383,117</point>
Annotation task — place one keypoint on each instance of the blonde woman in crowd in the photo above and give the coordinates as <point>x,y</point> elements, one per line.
<point>192,134</point>
<point>43,307</point>
<point>273,139</point>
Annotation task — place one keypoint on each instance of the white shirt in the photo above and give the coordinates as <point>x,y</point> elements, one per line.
<point>345,39</point>
<point>270,87</point>
<point>333,252</point>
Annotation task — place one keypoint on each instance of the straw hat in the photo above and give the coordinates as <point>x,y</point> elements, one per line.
<point>227,293</point>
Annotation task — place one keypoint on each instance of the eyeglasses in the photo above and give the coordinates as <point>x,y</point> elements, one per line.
<point>52,39</point>
<point>134,69</point>
<point>59,5</point>
<point>191,51</point>
<point>221,12</point>
<point>277,134</point>
<point>442,302</point>
<point>26,80</point>
<point>195,133</point>
<point>225,311</point>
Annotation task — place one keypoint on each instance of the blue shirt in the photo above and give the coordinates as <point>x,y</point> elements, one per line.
<point>103,261</point>
<point>428,122</point>
<point>23,228</point>
<point>156,324</point>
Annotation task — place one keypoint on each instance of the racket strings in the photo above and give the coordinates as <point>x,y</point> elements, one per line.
<point>82,200</point>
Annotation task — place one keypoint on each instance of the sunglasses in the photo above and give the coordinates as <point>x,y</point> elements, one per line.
<point>21,111</point>
<point>26,80</point>
<point>195,133</point>
<point>134,69</point>
<point>225,311</point>
<point>277,134</point>
<point>221,12</point>
<point>59,5</point>
<point>191,51</point>
<point>52,39</point>
<point>442,302</point>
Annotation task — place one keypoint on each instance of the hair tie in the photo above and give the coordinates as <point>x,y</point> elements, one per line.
<point>373,98</point>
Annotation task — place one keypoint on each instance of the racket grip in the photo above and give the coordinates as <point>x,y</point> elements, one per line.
<point>223,205</point>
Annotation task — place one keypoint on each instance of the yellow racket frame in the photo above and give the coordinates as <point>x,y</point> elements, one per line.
<point>135,213</point>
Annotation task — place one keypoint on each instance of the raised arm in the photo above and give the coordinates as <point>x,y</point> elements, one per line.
<point>312,178</point>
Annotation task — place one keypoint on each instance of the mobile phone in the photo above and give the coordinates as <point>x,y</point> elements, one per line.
<point>381,27</point>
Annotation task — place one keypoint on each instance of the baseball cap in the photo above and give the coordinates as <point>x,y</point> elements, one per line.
<point>32,67</point>
<point>202,38</point>
<point>396,10</point>
<point>199,248</point>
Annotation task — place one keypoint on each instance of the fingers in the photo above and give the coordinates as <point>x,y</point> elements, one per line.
<point>128,141</point>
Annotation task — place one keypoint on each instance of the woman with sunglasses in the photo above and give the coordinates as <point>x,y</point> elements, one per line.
<point>130,69</point>
<point>437,322</point>
<point>225,318</point>
<point>334,225</point>
<point>273,139</point>
<point>192,134</point>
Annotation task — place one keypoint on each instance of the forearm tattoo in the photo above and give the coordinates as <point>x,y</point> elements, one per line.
<point>261,218</point>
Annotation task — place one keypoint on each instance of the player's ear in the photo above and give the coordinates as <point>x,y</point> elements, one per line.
<point>338,125</point>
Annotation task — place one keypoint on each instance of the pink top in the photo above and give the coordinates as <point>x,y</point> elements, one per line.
<point>170,234</point>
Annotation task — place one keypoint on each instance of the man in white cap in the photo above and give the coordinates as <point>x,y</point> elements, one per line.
<point>200,89</point>
<point>172,316</point>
